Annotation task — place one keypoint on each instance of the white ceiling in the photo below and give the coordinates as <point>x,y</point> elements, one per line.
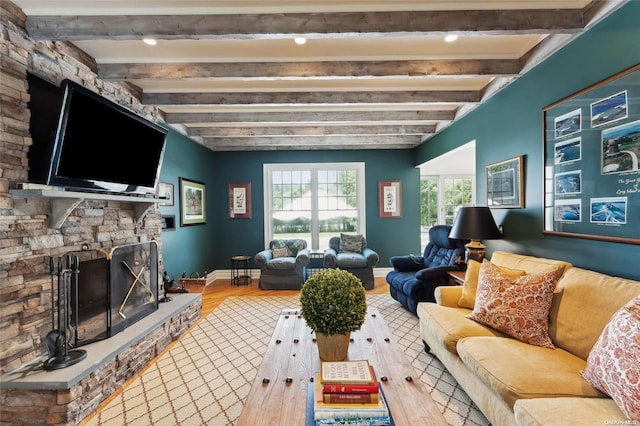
<point>373,74</point>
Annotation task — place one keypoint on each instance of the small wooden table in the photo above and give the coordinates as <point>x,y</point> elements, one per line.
<point>293,354</point>
<point>456,277</point>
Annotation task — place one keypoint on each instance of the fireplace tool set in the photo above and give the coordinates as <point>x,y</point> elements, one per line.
<point>57,340</point>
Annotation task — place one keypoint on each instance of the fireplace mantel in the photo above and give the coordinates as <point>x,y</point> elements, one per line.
<point>63,202</point>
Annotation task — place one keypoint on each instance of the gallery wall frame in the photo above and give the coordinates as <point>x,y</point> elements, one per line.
<point>165,190</point>
<point>240,200</point>
<point>591,148</point>
<point>192,202</point>
<point>505,184</point>
<point>390,199</point>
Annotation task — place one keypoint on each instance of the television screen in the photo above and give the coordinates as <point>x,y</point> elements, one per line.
<point>104,147</point>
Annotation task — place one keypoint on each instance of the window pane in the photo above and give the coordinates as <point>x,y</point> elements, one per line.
<point>314,203</point>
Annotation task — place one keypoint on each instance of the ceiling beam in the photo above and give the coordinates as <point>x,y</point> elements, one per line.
<point>267,98</point>
<point>314,142</point>
<point>295,130</point>
<point>329,25</point>
<point>334,69</point>
<point>373,117</point>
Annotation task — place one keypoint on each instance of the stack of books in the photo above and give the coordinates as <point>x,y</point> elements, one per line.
<point>348,393</point>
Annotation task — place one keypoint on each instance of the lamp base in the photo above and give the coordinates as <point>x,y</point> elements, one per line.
<point>474,250</point>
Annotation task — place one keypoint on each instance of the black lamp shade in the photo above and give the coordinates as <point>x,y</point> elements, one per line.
<point>474,223</point>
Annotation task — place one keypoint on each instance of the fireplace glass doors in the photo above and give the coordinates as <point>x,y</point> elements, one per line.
<point>115,291</point>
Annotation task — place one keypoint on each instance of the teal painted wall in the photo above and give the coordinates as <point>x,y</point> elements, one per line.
<point>188,249</point>
<point>510,124</point>
<point>209,247</point>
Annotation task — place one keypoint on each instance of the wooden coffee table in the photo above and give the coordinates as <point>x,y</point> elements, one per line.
<point>279,393</point>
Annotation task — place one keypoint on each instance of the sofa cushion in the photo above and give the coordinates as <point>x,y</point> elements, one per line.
<point>529,264</point>
<point>470,286</point>
<point>613,365</point>
<point>281,263</point>
<point>351,260</point>
<point>518,370</point>
<point>575,411</point>
<point>448,325</point>
<point>517,307</point>
<point>583,304</point>
<point>351,243</point>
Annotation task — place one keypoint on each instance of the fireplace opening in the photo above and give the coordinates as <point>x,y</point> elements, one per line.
<point>114,292</point>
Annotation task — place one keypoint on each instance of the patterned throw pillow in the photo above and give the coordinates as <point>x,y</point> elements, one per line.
<point>351,243</point>
<point>280,252</point>
<point>518,307</point>
<point>470,286</point>
<point>613,365</point>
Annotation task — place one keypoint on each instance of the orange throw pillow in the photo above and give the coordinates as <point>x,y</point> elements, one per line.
<point>470,286</point>
<point>519,308</point>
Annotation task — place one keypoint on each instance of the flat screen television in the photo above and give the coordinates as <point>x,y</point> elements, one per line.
<point>101,146</point>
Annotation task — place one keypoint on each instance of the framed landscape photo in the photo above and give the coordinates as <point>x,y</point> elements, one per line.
<point>192,203</point>
<point>240,200</point>
<point>165,191</point>
<point>504,184</point>
<point>390,199</point>
<point>591,150</point>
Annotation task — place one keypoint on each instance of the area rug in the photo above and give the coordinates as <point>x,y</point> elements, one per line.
<point>205,377</point>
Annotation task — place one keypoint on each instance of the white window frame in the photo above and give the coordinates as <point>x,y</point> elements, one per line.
<point>267,170</point>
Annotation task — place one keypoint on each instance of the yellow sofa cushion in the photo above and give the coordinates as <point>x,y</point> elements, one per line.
<point>564,411</point>
<point>583,304</point>
<point>470,286</point>
<point>448,325</point>
<point>516,370</point>
<point>529,264</point>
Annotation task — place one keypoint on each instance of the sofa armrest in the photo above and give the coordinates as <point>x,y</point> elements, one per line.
<point>263,258</point>
<point>448,295</point>
<point>302,258</point>
<point>371,256</point>
<point>407,263</point>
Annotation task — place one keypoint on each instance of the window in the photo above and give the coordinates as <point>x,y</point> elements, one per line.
<point>440,196</point>
<point>313,201</point>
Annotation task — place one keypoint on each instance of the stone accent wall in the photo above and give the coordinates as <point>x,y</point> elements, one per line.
<point>71,406</point>
<point>26,241</point>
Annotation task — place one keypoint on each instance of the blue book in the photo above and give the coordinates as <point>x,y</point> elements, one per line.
<point>348,421</point>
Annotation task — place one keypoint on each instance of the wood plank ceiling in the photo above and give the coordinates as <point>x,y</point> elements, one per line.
<point>372,74</point>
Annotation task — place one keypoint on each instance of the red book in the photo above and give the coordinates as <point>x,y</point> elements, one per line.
<point>342,398</point>
<point>353,388</point>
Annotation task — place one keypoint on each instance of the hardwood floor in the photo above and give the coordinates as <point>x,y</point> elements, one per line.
<point>218,290</point>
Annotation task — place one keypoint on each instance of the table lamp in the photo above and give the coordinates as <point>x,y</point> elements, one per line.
<point>475,224</point>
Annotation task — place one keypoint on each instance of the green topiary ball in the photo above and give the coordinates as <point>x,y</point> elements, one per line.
<point>333,301</point>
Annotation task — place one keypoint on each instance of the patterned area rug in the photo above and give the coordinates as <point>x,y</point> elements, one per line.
<point>205,377</point>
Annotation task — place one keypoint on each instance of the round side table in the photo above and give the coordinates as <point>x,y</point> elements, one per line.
<point>240,270</point>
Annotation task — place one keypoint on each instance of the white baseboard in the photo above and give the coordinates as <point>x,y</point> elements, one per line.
<point>221,274</point>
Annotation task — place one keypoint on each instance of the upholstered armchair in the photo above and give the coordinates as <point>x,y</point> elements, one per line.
<point>283,265</point>
<point>350,253</point>
<point>415,278</point>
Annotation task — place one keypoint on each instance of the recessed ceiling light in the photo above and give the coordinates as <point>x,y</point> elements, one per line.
<point>150,41</point>
<point>300,40</point>
<point>451,37</point>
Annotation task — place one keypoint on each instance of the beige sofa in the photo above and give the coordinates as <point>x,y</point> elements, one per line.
<point>516,383</point>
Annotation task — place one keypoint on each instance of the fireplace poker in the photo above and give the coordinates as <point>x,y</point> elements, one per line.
<point>137,279</point>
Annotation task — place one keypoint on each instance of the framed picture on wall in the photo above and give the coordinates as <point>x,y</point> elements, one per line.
<point>504,184</point>
<point>192,203</point>
<point>165,191</point>
<point>390,199</point>
<point>240,200</point>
